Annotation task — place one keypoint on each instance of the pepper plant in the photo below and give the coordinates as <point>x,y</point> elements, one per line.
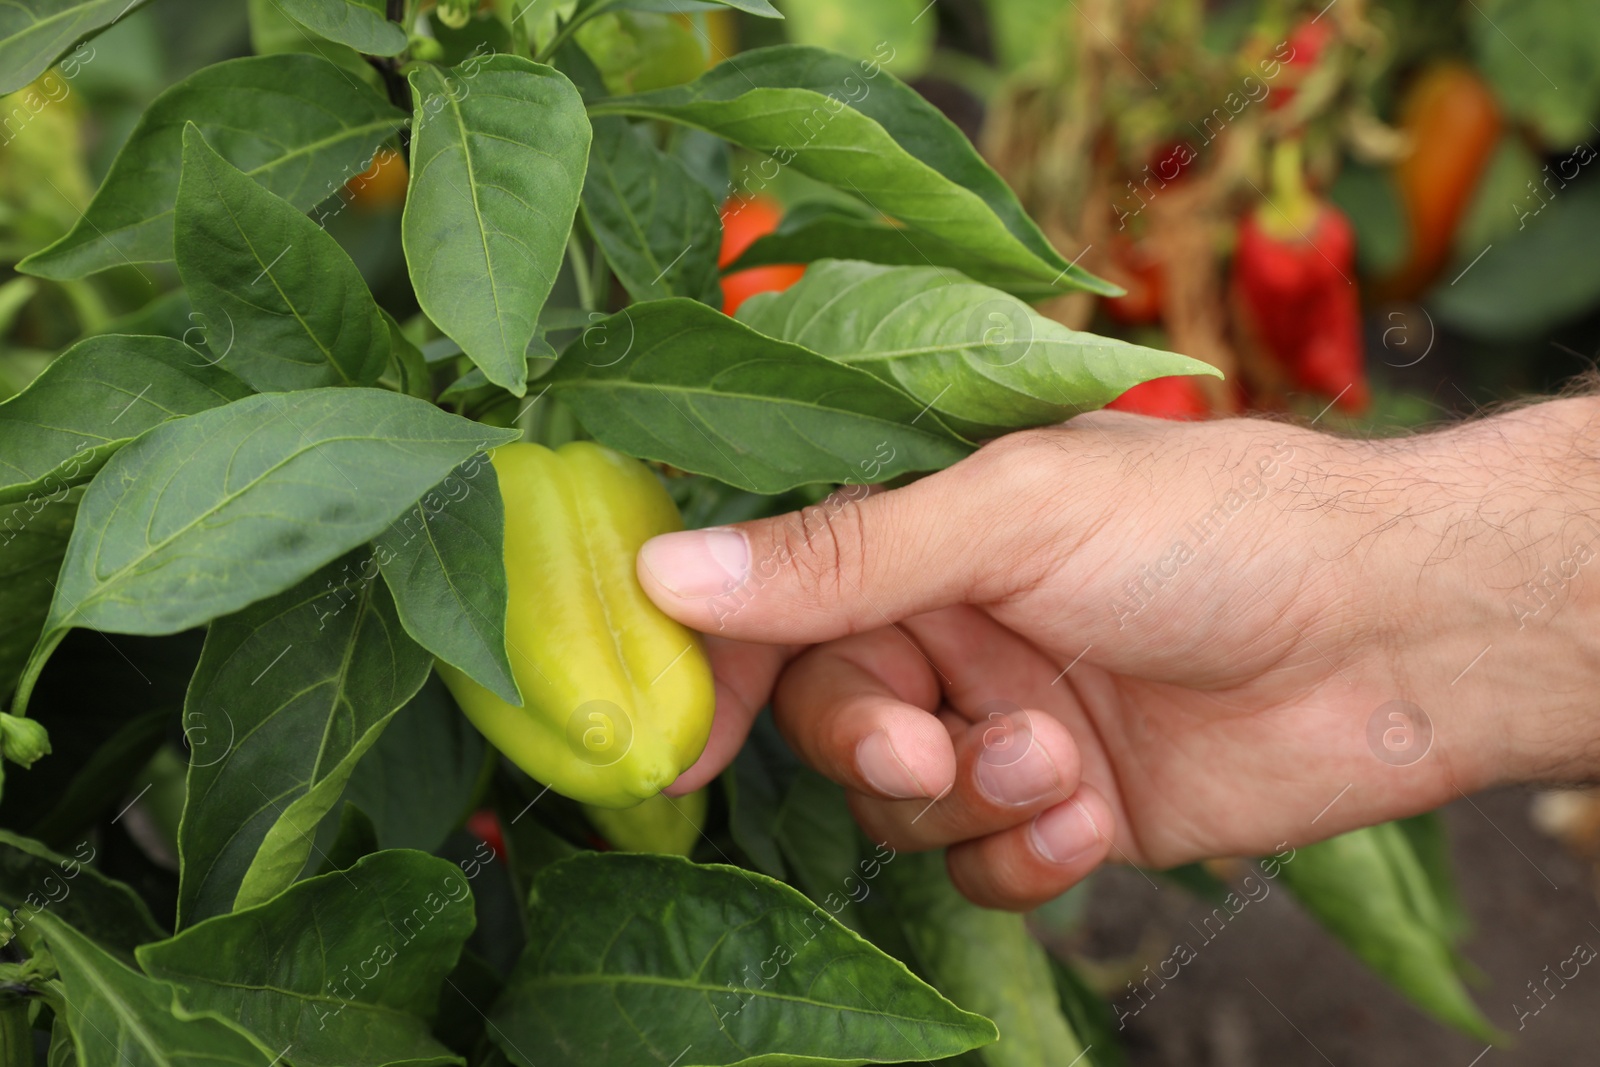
<point>249,521</point>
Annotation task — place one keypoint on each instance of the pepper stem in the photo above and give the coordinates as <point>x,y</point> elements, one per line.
<point>1291,209</point>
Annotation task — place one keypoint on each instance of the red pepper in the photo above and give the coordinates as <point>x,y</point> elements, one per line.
<point>743,220</point>
<point>1166,398</point>
<point>1309,39</point>
<point>485,826</point>
<point>1294,272</point>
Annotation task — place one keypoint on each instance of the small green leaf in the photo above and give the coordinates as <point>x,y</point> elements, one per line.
<point>283,306</point>
<point>204,515</point>
<point>676,381</point>
<point>295,123</point>
<point>345,968</point>
<point>36,33</point>
<point>1359,887</point>
<point>33,542</point>
<point>33,880</point>
<point>642,959</point>
<point>120,1018</point>
<point>444,560</point>
<point>854,126</point>
<point>358,23</point>
<point>657,226</point>
<point>498,156</point>
<point>980,357</point>
<point>94,398</point>
<point>985,960</point>
<point>344,667</point>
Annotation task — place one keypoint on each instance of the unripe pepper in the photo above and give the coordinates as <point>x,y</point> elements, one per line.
<point>617,697</point>
<point>1294,274</point>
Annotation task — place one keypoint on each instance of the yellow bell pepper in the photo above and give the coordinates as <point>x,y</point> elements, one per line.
<point>617,697</point>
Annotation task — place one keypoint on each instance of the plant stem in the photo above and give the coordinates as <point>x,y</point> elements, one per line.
<point>564,34</point>
<point>581,272</point>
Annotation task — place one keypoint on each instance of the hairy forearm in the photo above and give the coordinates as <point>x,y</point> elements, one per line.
<point>1489,587</point>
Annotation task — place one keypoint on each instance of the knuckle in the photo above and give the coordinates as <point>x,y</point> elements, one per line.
<point>825,551</point>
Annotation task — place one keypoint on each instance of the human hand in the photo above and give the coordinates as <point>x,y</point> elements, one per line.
<point>1156,642</point>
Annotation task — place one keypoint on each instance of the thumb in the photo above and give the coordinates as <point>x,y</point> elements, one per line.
<point>854,562</point>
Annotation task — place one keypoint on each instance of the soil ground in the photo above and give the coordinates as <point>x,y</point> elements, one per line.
<point>1273,989</point>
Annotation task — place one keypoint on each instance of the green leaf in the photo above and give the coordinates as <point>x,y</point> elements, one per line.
<point>978,356</point>
<point>282,305</point>
<point>33,542</point>
<point>1429,844</point>
<point>498,157</point>
<point>272,31</point>
<point>36,33</point>
<point>344,666</point>
<point>120,1018</point>
<point>94,398</point>
<point>1355,887</point>
<point>842,235</point>
<point>1538,277</point>
<point>417,782</point>
<point>346,968</point>
<point>295,123</point>
<point>1543,59</point>
<point>204,515</point>
<point>987,961</point>
<point>444,560</point>
<point>657,226</point>
<point>676,381</point>
<point>874,138</point>
<point>1089,1016</point>
<point>358,23</point>
<point>33,880</point>
<point>654,960</point>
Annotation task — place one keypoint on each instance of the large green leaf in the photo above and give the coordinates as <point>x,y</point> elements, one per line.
<point>1364,887</point>
<point>283,306</point>
<point>296,123</point>
<point>676,381</point>
<point>1543,57</point>
<point>444,560</point>
<point>120,1018</point>
<point>857,128</point>
<point>980,357</point>
<point>498,156</point>
<point>305,682</point>
<point>358,23</point>
<point>35,33</point>
<point>34,879</point>
<point>654,960</point>
<point>417,782</point>
<point>345,969</point>
<point>33,542</point>
<point>657,226</point>
<point>986,961</point>
<point>1538,277</point>
<point>204,515</point>
<point>93,399</point>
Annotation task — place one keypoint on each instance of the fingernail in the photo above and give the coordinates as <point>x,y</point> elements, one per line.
<point>884,770</point>
<point>698,563</point>
<point>1016,770</point>
<point>1064,833</point>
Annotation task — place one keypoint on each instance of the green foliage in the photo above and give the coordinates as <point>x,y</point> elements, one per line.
<point>830,997</point>
<point>245,511</point>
